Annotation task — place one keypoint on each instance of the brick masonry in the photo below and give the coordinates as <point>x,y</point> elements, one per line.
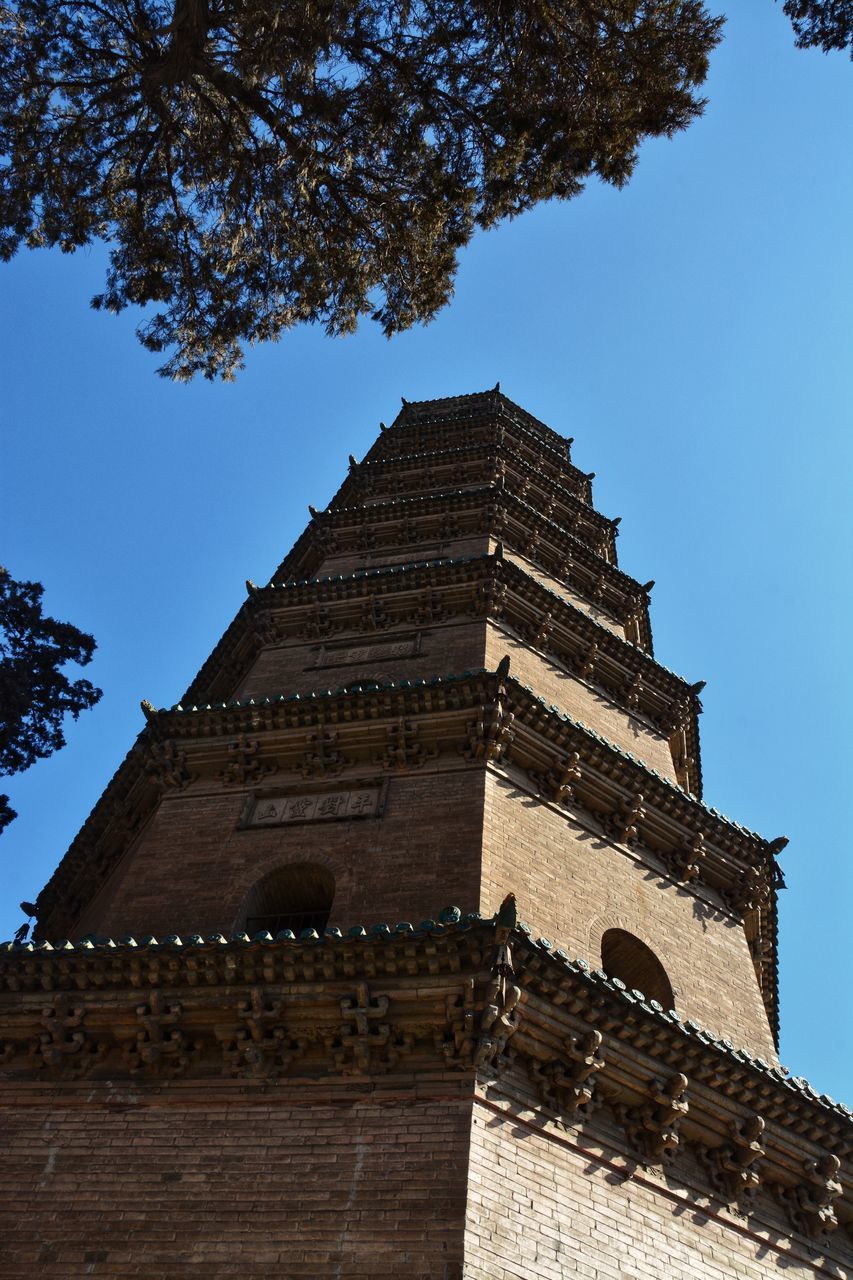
<point>388,868</point>
<point>447,1144</point>
<point>186,1183</point>
<point>572,884</point>
<point>544,1205</point>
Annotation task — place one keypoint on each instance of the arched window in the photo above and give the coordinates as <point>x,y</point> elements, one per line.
<point>627,958</point>
<point>295,897</point>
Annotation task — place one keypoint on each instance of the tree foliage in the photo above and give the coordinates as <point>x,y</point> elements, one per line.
<point>822,24</point>
<point>35,695</point>
<point>257,163</point>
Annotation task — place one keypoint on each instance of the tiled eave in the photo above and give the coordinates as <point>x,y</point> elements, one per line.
<point>486,428</point>
<point>456,409</point>
<point>363,477</point>
<point>481,510</point>
<point>463,719</point>
<point>437,695</point>
<point>407,595</point>
<point>428,975</point>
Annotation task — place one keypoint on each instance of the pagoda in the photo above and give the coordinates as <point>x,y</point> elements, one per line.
<point>405,943</point>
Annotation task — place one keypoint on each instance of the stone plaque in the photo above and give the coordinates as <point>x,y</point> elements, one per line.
<point>416,555</point>
<point>377,651</point>
<point>324,806</point>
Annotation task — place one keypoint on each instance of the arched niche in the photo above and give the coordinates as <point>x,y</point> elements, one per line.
<point>296,897</point>
<point>627,958</point>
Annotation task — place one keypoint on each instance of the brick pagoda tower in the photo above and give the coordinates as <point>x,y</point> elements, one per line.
<point>245,1061</point>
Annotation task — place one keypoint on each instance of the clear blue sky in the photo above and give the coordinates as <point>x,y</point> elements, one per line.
<point>694,334</point>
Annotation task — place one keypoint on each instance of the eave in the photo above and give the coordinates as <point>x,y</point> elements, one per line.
<point>428,976</point>
<point>484,510</point>
<point>412,595</point>
<point>479,719</point>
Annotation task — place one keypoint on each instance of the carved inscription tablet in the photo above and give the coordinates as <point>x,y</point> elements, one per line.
<point>273,811</point>
<point>378,651</point>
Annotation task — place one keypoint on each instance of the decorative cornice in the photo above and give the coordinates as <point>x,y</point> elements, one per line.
<point>486,509</point>
<point>470,464</point>
<point>455,409</point>
<point>495,1002</point>
<point>484,426</point>
<point>486,718</point>
<point>431,591</point>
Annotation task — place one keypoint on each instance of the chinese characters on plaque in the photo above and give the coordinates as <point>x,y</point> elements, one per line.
<point>275,810</point>
<point>346,656</point>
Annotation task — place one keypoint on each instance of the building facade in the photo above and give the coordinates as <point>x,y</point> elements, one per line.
<point>249,1032</point>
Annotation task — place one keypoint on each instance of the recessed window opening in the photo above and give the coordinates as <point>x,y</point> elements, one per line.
<point>295,897</point>
<point>627,958</point>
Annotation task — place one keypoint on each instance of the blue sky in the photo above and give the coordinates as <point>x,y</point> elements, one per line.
<point>694,334</point>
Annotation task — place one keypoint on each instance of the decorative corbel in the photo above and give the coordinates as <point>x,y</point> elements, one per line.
<point>402,749</point>
<point>586,668</point>
<point>623,824</point>
<point>321,759</point>
<point>490,736</point>
<point>543,631</point>
<point>559,782</point>
<point>325,537</point>
<point>160,1046</point>
<point>654,1127</point>
<point>260,1047</point>
<point>499,1019</point>
<point>457,1038</point>
<point>244,762</point>
<point>364,1041</point>
<point>449,527</point>
<point>688,858</point>
<point>63,1046</point>
<point>811,1202</point>
<point>596,592</point>
<point>167,765</point>
<point>373,615</point>
<point>531,546</point>
<point>565,567</point>
<point>568,1081</point>
<point>490,598</point>
<point>751,892</point>
<point>633,691</point>
<point>318,624</point>
<point>365,538</point>
<point>429,608</point>
<point>733,1164</point>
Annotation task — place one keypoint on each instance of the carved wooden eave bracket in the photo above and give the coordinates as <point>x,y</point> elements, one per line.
<point>426,591</point>
<point>466,995</point>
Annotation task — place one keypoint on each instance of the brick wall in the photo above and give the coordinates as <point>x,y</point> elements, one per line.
<point>540,1208</point>
<point>177,1182</point>
<point>566,593</point>
<point>556,686</point>
<point>572,885</point>
<point>430,549</point>
<point>192,866</point>
<point>446,650</point>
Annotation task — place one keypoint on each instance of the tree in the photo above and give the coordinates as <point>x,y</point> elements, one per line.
<point>257,163</point>
<point>822,24</point>
<point>35,695</point>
